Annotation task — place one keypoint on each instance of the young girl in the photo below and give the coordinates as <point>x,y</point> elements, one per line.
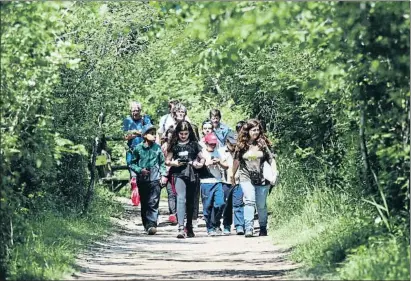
<point>182,153</point>
<point>252,151</point>
<point>206,128</point>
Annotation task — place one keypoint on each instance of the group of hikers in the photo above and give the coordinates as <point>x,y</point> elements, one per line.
<point>222,166</point>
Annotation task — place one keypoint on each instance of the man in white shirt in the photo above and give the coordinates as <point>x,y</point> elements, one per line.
<point>211,185</point>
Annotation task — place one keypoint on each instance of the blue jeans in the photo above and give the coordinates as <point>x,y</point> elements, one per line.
<point>238,206</point>
<point>233,198</point>
<point>255,195</point>
<point>212,197</point>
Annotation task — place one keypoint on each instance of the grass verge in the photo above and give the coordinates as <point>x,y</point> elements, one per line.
<point>54,239</point>
<point>332,234</point>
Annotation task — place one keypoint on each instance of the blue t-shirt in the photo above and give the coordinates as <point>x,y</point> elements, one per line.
<point>222,133</point>
<point>130,124</point>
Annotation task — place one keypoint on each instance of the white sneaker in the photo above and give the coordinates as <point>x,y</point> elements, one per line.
<point>195,224</point>
<point>201,223</point>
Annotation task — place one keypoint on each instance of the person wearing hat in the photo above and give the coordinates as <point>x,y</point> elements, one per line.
<point>211,185</point>
<point>233,195</point>
<point>149,164</point>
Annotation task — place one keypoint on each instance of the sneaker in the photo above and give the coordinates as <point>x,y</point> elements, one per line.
<point>152,230</point>
<point>190,232</point>
<point>172,219</point>
<point>227,230</point>
<point>212,233</point>
<point>219,231</point>
<point>263,231</point>
<point>201,223</point>
<point>240,230</point>
<point>195,224</point>
<point>181,234</point>
<point>249,233</point>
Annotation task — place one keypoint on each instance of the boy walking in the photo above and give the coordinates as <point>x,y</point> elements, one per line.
<point>211,185</point>
<point>149,164</point>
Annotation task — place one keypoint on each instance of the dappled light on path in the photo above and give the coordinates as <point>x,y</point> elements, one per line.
<point>130,254</point>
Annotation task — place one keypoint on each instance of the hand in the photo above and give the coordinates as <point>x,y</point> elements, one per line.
<point>145,172</point>
<point>209,162</point>
<point>216,161</point>
<point>177,163</point>
<point>164,180</point>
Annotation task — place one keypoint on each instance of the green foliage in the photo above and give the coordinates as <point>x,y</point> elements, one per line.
<point>53,240</point>
<point>381,259</point>
<point>329,80</point>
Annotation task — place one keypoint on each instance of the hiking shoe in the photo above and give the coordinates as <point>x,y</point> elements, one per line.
<point>181,234</point>
<point>152,230</point>
<point>212,233</point>
<point>190,232</point>
<point>172,219</point>
<point>249,233</point>
<point>227,230</point>
<point>240,230</point>
<point>263,231</point>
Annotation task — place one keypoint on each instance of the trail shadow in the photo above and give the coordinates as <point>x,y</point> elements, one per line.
<point>233,273</point>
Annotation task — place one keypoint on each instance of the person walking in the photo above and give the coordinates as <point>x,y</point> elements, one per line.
<point>132,126</point>
<point>251,152</point>
<point>233,194</point>
<point>220,130</point>
<point>177,112</point>
<point>183,156</point>
<point>211,185</point>
<point>171,191</point>
<point>149,165</point>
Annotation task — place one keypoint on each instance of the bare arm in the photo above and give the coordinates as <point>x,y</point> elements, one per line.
<point>170,162</point>
<point>199,161</point>
<point>132,134</point>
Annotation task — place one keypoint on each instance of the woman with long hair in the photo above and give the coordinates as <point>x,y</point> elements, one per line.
<point>252,150</point>
<point>184,154</point>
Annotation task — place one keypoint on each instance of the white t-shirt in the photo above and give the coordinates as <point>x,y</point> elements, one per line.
<point>226,156</point>
<point>215,170</point>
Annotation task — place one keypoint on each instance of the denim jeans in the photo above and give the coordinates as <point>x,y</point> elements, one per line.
<point>172,200</point>
<point>238,206</point>
<point>150,199</point>
<point>185,201</point>
<point>234,202</point>
<point>255,195</point>
<point>197,199</point>
<point>213,201</point>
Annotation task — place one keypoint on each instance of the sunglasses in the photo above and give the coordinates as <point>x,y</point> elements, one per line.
<point>208,127</point>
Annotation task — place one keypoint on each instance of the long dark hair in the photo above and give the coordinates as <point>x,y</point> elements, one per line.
<point>244,136</point>
<point>181,126</point>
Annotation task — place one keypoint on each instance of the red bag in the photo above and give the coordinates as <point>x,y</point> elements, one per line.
<point>135,195</point>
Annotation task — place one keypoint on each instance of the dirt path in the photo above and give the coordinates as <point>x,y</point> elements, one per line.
<point>130,254</point>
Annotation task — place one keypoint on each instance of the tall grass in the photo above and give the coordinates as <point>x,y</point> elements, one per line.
<point>54,238</point>
<point>332,233</point>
